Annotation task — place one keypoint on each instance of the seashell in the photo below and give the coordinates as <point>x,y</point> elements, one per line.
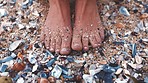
<point>126,72</point>
<point>3,12</point>
<point>4,74</point>
<point>35,67</point>
<point>5,79</point>
<point>21,26</point>
<point>52,79</point>
<point>120,25</point>
<point>118,71</point>
<point>3,68</point>
<point>140,25</point>
<point>20,80</point>
<point>134,50</point>
<point>56,72</point>
<point>135,66</point>
<point>124,11</point>
<point>15,44</point>
<point>19,66</point>
<point>50,62</point>
<point>146,51</point>
<point>138,59</point>
<point>144,15</point>
<point>103,62</point>
<point>32,59</point>
<point>88,78</point>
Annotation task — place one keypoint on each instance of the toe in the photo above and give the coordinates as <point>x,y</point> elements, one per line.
<point>98,38</point>
<point>85,41</point>
<point>101,33</point>
<point>58,44</point>
<point>42,37</point>
<point>93,41</point>
<point>47,42</point>
<point>65,47</point>
<point>76,42</point>
<point>52,44</point>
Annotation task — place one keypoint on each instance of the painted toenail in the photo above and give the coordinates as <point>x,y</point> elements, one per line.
<point>96,45</point>
<point>65,49</point>
<point>47,47</point>
<point>51,49</point>
<point>85,48</point>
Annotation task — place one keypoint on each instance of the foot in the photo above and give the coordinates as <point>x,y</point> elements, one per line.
<point>88,28</point>
<point>57,31</point>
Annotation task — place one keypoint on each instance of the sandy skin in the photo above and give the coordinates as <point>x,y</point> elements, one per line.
<point>57,33</point>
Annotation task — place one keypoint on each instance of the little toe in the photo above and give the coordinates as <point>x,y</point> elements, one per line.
<point>58,44</point>
<point>93,41</point>
<point>85,42</point>
<point>65,47</point>
<point>52,44</point>
<point>47,43</point>
<point>76,43</point>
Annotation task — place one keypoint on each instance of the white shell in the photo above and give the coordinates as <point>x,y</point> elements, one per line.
<point>20,80</point>
<point>138,59</point>
<point>35,67</point>
<point>118,71</point>
<point>88,78</point>
<point>56,72</point>
<point>126,72</point>
<point>14,45</point>
<point>4,74</point>
<point>3,12</point>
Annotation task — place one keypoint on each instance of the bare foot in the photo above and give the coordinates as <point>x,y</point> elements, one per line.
<point>88,28</point>
<point>57,31</point>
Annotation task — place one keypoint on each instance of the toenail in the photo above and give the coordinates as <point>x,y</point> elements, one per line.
<point>96,45</point>
<point>51,49</point>
<point>85,48</point>
<point>65,49</point>
<point>47,47</point>
<point>57,50</point>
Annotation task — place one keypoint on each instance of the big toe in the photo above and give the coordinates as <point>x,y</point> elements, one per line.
<point>76,43</point>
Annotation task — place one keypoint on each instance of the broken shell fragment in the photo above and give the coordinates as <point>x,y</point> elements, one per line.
<point>143,16</point>
<point>126,72</point>
<point>119,25</point>
<point>19,66</point>
<point>15,44</point>
<point>124,11</point>
<point>56,72</point>
<point>138,59</point>
<point>3,12</point>
<point>118,71</point>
